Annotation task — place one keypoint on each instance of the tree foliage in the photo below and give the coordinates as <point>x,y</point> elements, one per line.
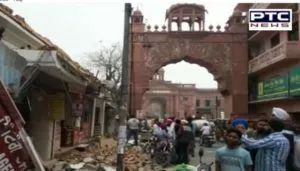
<point>107,61</point>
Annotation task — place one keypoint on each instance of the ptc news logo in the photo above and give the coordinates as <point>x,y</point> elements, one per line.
<point>270,19</point>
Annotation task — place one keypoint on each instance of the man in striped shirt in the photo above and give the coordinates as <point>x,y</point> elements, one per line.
<point>272,151</point>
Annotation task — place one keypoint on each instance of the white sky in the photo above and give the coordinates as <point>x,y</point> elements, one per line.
<point>78,27</point>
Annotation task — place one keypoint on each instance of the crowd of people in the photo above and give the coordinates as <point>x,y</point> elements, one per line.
<point>179,132</point>
<point>268,145</point>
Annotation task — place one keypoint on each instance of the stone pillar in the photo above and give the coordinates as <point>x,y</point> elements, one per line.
<point>239,79</point>
<point>92,127</point>
<point>192,25</point>
<point>236,102</point>
<point>170,104</point>
<point>139,80</point>
<point>174,105</point>
<point>179,25</point>
<point>136,57</point>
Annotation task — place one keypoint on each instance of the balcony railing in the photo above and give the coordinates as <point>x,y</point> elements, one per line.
<point>283,51</point>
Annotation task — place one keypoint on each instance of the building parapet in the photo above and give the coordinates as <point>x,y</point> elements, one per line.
<point>284,51</point>
<point>159,91</point>
<point>163,28</point>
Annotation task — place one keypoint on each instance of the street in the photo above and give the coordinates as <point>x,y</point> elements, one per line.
<point>208,156</point>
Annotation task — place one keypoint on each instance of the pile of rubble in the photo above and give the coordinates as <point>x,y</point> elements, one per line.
<point>96,155</point>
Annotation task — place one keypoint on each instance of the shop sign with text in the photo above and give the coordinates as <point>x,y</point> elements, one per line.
<point>57,106</point>
<point>294,81</point>
<point>274,87</point>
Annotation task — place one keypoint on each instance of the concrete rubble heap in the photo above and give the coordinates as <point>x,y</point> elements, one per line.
<point>96,155</point>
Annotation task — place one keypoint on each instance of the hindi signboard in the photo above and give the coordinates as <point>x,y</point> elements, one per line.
<point>277,86</point>
<point>12,154</point>
<point>294,81</point>
<point>16,150</point>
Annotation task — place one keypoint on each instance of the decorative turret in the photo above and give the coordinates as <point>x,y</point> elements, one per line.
<point>137,17</point>
<point>137,20</point>
<point>186,13</point>
<point>237,21</point>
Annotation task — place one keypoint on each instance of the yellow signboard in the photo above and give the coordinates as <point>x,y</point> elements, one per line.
<point>260,89</point>
<point>57,106</point>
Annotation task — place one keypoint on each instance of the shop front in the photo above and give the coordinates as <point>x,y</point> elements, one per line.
<point>98,121</point>
<point>47,104</point>
<point>278,91</point>
<point>47,95</point>
<point>77,127</point>
<point>75,116</point>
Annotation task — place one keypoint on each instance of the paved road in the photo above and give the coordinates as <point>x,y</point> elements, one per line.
<point>207,158</point>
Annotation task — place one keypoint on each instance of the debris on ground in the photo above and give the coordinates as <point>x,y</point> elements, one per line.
<point>100,153</point>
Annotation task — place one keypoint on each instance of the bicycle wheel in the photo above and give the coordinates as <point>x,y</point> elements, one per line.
<point>162,158</point>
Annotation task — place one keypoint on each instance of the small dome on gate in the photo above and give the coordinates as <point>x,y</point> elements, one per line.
<point>137,13</point>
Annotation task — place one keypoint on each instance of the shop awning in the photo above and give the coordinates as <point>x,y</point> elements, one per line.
<point>49,63</point>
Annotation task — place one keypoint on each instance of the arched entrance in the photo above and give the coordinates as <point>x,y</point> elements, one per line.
<point>157,107</point>
<point>224,54</point>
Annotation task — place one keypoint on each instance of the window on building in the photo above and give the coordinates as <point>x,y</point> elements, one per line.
<point>275,40</point>
<point>185,99</point>
<point>198,102</point>
<point>207,103</point>
<point>294,34</point>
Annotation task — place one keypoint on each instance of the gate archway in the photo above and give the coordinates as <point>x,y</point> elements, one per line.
<point>223,53</point>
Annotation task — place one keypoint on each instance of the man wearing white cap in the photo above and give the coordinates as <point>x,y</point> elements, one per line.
<point>281,114</point>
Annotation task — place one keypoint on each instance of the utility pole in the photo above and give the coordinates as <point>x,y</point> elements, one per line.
<point>124,90</point>
<point>216,107</point>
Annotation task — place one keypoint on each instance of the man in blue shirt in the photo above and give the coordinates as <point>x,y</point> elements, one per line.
<point>232,157</point>
<point>272,151</point>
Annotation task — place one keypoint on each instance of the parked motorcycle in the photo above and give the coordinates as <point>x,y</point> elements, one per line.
<point>148,145</point>
<point>203,166</point>
<point>162,153</point>
<point>208,140</point>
